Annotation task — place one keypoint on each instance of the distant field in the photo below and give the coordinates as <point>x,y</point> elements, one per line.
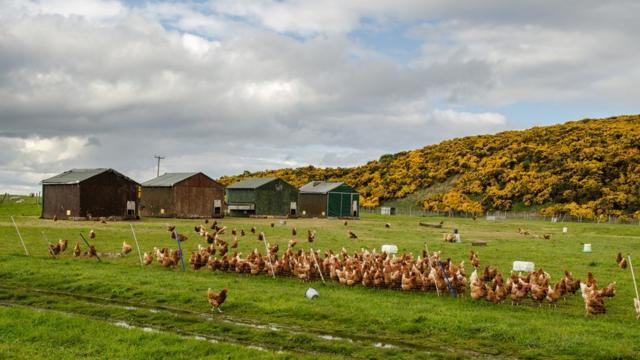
<point>19,206</point>
<point>267,317</point>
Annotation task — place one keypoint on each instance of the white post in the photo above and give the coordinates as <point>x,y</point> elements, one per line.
<point>317,265</point>
<point>20,236</point>
<point>633,275</point>
<point>137,246</point>
<point>266,246</point>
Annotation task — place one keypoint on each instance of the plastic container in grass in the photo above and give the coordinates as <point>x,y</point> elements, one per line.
<point>523,266</point>
<point>311,293</point>
<point>390,249</point>
<point>586,248</point>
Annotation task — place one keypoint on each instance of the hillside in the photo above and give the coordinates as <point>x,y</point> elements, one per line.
<point>586,168</point>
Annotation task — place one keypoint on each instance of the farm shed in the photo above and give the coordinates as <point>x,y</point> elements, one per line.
<point>328,199</point>
<point>80,193</point>
<point>262,197</point>
<point>184,195</point>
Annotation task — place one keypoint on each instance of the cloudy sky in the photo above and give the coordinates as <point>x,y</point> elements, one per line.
<point>226,86</point>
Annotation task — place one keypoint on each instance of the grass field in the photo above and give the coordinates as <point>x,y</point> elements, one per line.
<point>118,309</point>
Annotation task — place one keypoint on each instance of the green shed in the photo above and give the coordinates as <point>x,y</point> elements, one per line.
<point>328,199</point>
<point>269,196</point>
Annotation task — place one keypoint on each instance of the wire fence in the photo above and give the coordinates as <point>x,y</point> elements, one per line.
<point>499,215</point>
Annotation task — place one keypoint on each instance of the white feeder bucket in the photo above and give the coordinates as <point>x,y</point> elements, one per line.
<point>311,293</point>
<point>523,266</point>
<point>457,236</point>
<point>565,229</point>
<point>390,249</point>
<point>586,248</point>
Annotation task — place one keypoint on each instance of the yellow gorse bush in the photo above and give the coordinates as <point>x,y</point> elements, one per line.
<point>588,168</point>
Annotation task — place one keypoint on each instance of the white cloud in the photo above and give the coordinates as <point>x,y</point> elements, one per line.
<point>224,86</point>
<point>456,118</point>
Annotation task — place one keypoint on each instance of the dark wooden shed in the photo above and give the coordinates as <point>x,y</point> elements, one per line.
<point>262,197</point>
<point>328,199</point>
<point>85,193</point>
<point>183,195</point>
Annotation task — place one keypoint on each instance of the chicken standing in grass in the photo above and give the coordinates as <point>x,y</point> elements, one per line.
<point>92,251</point>
<point>147,258</point>
<point>216,299</point>
<point>311,235</point>
<point>554,294</point>
<point>622,262</point>
<point>126,248</point>
<point>92,234</point>
<point>54,249</point>
<point>352,235</point>
<point>478,290</point>
<point>76,250</point>
<point>475,259</point>
<point>63,244</point>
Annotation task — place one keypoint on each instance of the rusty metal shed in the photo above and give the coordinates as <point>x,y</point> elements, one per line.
<point>328,199</point>
<point>269,196</point>
<point>183,195</point>
<point>85,193</point>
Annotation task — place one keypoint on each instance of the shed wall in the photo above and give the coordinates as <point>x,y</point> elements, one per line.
<point>195,197</point>
<point>312,205</point>
<point>106,195</point>
<point>57,199</point>
<point>154,199</point>
<point>275,198</point>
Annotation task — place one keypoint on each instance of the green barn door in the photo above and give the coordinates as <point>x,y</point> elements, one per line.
<point>333,204</point>
<point>345,204</point>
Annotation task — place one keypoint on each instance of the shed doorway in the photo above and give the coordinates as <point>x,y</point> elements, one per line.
<point>354,207</point>
<point>293,208</point>
<point>217,207</point>
<point>131,208</point>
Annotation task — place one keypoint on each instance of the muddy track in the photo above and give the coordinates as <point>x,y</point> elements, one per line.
<point>362,340</point>
<point>172,330</point>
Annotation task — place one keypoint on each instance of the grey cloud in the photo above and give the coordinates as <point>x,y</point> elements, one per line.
<point>250,98</point>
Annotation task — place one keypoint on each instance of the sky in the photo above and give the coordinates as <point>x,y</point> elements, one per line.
<point>227,86</point>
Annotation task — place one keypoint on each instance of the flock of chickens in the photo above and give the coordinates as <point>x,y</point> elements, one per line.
<point>426,272</point>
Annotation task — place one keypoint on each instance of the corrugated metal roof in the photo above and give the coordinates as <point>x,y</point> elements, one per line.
<point>252,183</point>
<point>74,176</point>
<point>168,179</point>
<point>319,187</point>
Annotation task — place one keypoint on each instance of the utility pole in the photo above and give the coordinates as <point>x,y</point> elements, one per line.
<point>159,157</point>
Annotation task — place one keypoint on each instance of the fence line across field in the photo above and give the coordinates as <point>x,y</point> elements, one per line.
<point>501,215</point>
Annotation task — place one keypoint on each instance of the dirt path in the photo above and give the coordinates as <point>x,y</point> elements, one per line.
<point>289,330</point>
